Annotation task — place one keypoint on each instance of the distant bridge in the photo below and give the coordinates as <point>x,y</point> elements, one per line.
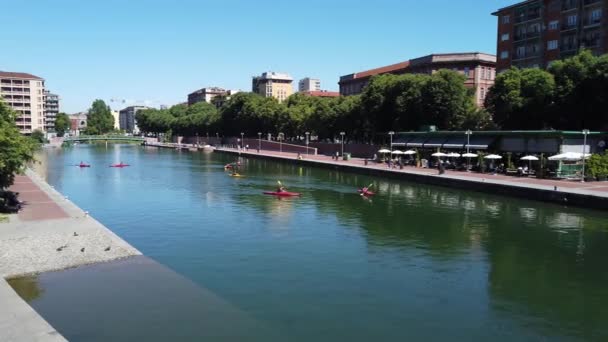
<point>106,138</point>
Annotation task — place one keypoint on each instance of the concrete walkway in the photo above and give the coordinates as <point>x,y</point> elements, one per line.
<point>49,233</point>
<point>552,190</point>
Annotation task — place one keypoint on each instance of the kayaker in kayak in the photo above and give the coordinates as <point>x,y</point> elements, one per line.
<point>281,188</point>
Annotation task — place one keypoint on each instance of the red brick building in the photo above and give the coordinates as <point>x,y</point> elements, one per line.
<point>321,93</point>
<point>478,68</point>
<point>534,33</point>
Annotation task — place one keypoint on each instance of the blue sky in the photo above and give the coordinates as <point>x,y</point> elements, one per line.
<point>160,50</point>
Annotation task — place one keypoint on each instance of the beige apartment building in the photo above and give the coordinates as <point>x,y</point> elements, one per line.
<point>24,93</point>
<point>273,84</point>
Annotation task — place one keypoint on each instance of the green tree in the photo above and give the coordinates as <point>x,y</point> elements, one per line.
<point>62,124</point>
<point>522,99</point>
<point>99,118</point>
<point>15,149</point>
<point>38,137</point>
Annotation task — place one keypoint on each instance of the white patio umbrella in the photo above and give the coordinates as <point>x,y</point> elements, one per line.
<point>492,157</point>
<point>569,156</point>
<point>470,155</point>
<point>454,155</point>
<point>409,152</point>
<point>398,152</point>
<point>439,154</point>
<point>384,151</point>
<point>530,159</point>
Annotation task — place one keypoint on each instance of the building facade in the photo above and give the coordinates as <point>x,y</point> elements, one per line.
<point>78,123</point>
<point>535,33</point>
<point>209,94</point>
<point>24,93</point>
<point>321,93</point>
<point>51,109</point>
<point>309,84</point>
<point>479,70</point>
<point>273,84</point>
<point>127,121</point>
<point>116,116</point>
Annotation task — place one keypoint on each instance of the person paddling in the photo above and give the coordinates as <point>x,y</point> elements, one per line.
<point>281,188</point>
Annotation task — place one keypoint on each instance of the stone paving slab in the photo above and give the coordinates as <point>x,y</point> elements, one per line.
<point>19,322</point>
<point>49,233</point>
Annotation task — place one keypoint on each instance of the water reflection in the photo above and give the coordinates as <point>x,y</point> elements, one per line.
<point>439,259</point>
<point>27,288</point>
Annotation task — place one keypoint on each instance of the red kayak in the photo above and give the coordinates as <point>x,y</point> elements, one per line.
<point>365,192</point>
<point>84,165</point>
<point>282,193</point>
<point>119,165</point>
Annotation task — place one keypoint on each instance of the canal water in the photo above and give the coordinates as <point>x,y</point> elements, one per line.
<point>416,262</point>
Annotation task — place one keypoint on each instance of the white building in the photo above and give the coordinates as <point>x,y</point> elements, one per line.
<point>309,84</point>
<point>273,84</point>
<point>24,93</point>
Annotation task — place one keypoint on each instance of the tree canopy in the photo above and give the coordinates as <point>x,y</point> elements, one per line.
<point>571,94</point>
<point>99,118</point>
<point>15,150</point>
<point>62,124</point>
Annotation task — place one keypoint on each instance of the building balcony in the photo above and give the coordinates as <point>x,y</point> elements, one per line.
<point>590,43</point>
<point>524,36</point>
<point>568,27</point>
<point>589,23</point>
<point>590,2</point>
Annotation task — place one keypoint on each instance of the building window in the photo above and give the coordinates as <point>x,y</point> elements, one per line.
<point>506,19</point>
<point>467,72</point>
<point>504,54</point>
<point>596,16</point>
<point>572,20</point>
<point>521,52</point>
<point>553,25</point>
<point>504,37</point>
<point>483,93</point>
<point>552,45</point>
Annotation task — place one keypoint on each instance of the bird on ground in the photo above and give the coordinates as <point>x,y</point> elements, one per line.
<point>61,248</point>
<point>107,248</point>
<point>82,249</point>
<point>75,234</point>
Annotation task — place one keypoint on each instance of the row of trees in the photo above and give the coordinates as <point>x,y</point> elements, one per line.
<point>389,102</point>
<point>571,94</point>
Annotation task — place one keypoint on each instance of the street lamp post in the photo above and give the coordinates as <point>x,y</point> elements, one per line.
<point>217,138</point>
<point>342,134</point>
<point>307,137</point>
<point>468,133</point>
<point>242,141</point>
<point>259,141</point>
<point>391,133</point>
<point>280,137</point>
<point>585,132</point>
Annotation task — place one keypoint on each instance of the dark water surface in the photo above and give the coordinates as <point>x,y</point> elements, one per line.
<point>416,263</point>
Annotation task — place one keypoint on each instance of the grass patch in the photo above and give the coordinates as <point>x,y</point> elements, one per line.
<point>3,218</point>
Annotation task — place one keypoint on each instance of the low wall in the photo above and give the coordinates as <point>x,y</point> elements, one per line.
<point>356,150</point>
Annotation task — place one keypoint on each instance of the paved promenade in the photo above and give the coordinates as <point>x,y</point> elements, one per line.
<point>49,233</point>
<point>558,189</point>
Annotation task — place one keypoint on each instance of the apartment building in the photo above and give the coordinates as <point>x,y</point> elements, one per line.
<point>78,123</point>
<point>478,68</point>
<point>273,84</point>
<point>24,93</point>
<point>210,93</point>
<point>51,109</point>
<point>127,121</point>
<point>535,33</point>
<point>309,84</point>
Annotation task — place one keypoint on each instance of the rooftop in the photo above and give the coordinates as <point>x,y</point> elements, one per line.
<point>23,75</point>
<point>271,75</point>
<point>525,2</point>
<point>429,59</point>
